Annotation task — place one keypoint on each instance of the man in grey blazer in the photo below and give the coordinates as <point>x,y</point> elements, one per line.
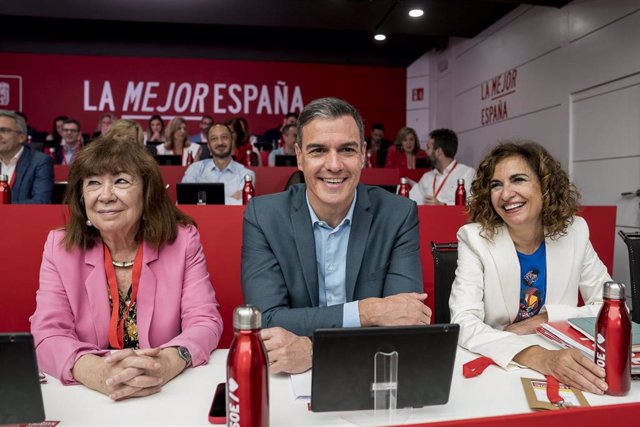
<point>331,252</point>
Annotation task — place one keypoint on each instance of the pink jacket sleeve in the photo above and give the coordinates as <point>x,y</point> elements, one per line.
<point>53,324</point>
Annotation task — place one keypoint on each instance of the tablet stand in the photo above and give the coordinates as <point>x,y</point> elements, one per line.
<point>385,395</point>
<point>385,382</point>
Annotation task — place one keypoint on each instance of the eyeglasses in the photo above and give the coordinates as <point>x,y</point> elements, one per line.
<point>70,130</point>
<point>7,131</point>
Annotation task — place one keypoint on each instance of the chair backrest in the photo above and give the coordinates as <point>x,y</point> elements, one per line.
<point>445,261</point>
<point>633,244</point>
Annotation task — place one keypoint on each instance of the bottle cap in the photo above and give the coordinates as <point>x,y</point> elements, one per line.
<point>460,181</point>
<point>613,290</point>
<point>247,178</point>
<point>4,177</point>
<point>247,317</point>
<point>403,180</point>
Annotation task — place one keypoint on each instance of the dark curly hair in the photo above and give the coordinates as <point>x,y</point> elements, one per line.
<point>559,195</point>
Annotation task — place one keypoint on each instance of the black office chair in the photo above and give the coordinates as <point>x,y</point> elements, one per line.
<point>445,261</point>
<point>633,244</point>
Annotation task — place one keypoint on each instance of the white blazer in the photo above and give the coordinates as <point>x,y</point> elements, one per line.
<point>486,292</point>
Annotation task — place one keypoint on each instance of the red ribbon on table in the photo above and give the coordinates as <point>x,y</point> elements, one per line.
<point>476,366</point>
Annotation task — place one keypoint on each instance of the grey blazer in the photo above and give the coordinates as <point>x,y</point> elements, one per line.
<point>279,272</point>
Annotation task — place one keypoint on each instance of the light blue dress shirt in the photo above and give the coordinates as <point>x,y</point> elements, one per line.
<point>232,177</point>
<point>331,262</point>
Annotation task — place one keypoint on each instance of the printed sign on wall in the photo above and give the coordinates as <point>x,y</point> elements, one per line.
<point>83,87</point>
<point>494,93</point>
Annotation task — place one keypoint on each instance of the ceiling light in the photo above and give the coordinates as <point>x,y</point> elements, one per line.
<point>380,37</point>
<point>416,13</point>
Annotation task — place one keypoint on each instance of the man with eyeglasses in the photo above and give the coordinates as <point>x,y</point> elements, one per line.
<point>30,172</point>
<point>71,142</point>
<point>221,167</point>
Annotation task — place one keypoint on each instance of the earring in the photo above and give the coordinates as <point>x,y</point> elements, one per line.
<point>89,223</point>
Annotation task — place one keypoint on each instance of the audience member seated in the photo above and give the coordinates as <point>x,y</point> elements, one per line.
<point>438,186</point>
<point>205,124</point>
<point>154,134</point>
<point>289,136</point>
<point>104,123</point>
<point>128,130</point>
<point>221,167</point>
<point>30,173</point>
<point>272,138</point>
<point>331,253</point>
<point>71,142</point>
<point>523,261</point>
<point>377,146</point>
<point>177,143</point>
<point>245,153</point>
<point>54,139</point>
<point>127,272</point>
<point>405,151</point>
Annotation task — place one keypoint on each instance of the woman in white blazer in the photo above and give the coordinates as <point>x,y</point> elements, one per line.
<point>522,261</point>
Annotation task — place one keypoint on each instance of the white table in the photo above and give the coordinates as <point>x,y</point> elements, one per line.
<point>185,400</point>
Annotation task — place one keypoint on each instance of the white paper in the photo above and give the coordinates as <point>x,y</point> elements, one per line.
<point>301,385</point>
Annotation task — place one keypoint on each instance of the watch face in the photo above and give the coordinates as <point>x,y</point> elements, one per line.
<point>183,352</point>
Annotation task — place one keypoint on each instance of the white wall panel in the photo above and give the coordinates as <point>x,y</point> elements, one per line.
<point>608,124</point>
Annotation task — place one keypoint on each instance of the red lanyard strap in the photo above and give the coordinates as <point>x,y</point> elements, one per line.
<point>553,390</point>
<point>116,329</point>
<point>435,193</point>
<point>15,172</point>
<point>476,366</point>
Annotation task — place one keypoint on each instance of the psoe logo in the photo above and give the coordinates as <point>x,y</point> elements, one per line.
<point>5,95</point>
<point>11,92</point>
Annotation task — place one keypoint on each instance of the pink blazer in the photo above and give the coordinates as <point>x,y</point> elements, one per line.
<point>176,304</point>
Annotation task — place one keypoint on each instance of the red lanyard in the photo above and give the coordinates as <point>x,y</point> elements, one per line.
<point>116,329</point>
<point>435,193</point>
<point>15,172</point>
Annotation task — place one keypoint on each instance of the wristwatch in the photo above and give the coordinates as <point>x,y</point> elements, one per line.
<point>184,354</point>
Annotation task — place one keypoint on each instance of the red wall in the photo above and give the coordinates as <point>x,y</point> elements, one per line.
<point>221,233</point>
<point>44,86</point>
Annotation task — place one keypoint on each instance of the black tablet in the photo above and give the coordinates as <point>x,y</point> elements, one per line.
<point>201,193</point>
<point>286,160</point>
<point>344,363</point>
<point>169,159</point>
<point>20,394</point>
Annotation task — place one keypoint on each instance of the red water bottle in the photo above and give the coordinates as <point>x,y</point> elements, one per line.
<point>5,190</point>
<point>369,164</point>
<point>247,374</point>
<point>404,187</point>
<point>247,159</point>
<point>613,340</point>
<point>52,153</point>
<point>461,193</point>
<point>190,159</point>
<point>247,190</point>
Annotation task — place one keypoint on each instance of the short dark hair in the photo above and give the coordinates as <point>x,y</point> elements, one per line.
<point>206,117</point>
<point>159,224</point>
<point>328,109</point>
<point>71,122</point>
<point>445,139</point>
<point>291,115</point>
<point>377,126</point>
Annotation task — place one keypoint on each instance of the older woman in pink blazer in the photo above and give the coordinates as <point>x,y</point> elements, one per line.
<point>127,272</point>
